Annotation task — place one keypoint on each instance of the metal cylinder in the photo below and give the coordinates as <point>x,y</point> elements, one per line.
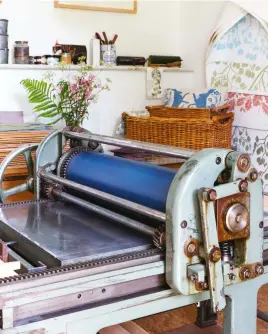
<point>135,181</point>
<point>145,229</point>
<point>3,26</point>
<point>154,214</point>
<point>182,153</point>
<point>4,56</point>
<point>3,41</point>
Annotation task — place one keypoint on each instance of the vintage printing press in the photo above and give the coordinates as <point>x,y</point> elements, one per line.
<point>110,240</point>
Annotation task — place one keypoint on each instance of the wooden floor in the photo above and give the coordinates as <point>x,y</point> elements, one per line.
<point>171,320</point>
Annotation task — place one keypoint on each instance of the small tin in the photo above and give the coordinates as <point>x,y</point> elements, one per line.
<point>3,26</point>
<point>37,60</point>
<point>4,56</point>
<point>108,54</point>
<point>21,52</point>
<point>3,41</point>
<point>31,60</point>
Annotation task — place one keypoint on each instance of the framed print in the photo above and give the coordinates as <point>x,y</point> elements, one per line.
<point>124,6</point>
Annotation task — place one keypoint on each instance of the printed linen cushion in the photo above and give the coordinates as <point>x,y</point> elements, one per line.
<point>205,99</point>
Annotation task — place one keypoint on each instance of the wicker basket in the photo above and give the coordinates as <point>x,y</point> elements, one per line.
<point>183,127</point>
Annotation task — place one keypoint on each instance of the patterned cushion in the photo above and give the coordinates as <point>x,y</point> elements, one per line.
<point>184,99</point>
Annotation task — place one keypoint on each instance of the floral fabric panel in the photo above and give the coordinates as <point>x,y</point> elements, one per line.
<point>239,59</point>
<point>250,130</point>
<point>238,63</point>
<point>254,142</point>
<point>205,99</point>
<point>235,76</point>
<point>154,83</point>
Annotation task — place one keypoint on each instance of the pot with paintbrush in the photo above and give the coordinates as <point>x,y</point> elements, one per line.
<point>107,49</point>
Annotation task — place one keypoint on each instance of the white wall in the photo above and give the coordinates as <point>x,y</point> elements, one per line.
<point>151,30</point>
<point>160,27</point>
<point>128,92</point>
<point>197,21</point>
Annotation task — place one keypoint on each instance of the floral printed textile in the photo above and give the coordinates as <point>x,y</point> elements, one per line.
<point>246,102</point>
<point>236,76</point>
<point>237,62</point>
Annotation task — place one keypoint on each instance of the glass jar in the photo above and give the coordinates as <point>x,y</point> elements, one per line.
<point>66,58</point>
<point>108,54</point>
<point>21,52</point>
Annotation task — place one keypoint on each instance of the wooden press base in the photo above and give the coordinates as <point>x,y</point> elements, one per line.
<point>192,329</point>
<point>132,328</point>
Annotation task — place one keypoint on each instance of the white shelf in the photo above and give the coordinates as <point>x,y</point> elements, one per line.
<point>75,67</point>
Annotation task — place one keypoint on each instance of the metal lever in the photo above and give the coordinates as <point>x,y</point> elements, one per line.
<point>211,247</point>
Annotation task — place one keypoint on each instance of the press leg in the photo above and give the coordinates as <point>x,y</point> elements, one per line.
<point>205,316</point>
<point>240,313</point>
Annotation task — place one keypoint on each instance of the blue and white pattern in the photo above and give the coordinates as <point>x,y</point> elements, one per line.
<point>247,40</point>
<point>206,99</point>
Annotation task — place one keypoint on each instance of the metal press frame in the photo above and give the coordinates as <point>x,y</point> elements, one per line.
<point>193,177</point>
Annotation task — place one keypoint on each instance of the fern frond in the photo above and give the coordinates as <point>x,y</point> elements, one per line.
<point>41,94</point>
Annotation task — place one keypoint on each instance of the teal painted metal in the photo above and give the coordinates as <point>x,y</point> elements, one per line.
<point>239,315</point>
<point>185,221</point>
<point>200,171</point>
<point>211,243</point>
<point>49,151</point>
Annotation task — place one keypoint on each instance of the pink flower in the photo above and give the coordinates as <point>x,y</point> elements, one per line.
<point>87,96</point>
<point>91,77</point>
<point>73,88</point>
<point>59,89</point>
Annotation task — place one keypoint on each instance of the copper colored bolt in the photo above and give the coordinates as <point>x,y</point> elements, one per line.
<point>243,163</point>
<point>215,254</point>
<point>204,285</point>
<point>184,224</point>
<point>232,277</point>
<point>238,218</point>
<point>253,175</point>
<point>243,186</point>
<point>191,248</point>
<point>259,270</point>
<point>193,277</point>
<point>211,195</point>
<point>245,273</point>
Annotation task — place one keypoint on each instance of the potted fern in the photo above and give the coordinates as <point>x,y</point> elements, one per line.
<point>66,99</point>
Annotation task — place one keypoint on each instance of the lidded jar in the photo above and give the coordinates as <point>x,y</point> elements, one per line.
<point>21,52</point>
